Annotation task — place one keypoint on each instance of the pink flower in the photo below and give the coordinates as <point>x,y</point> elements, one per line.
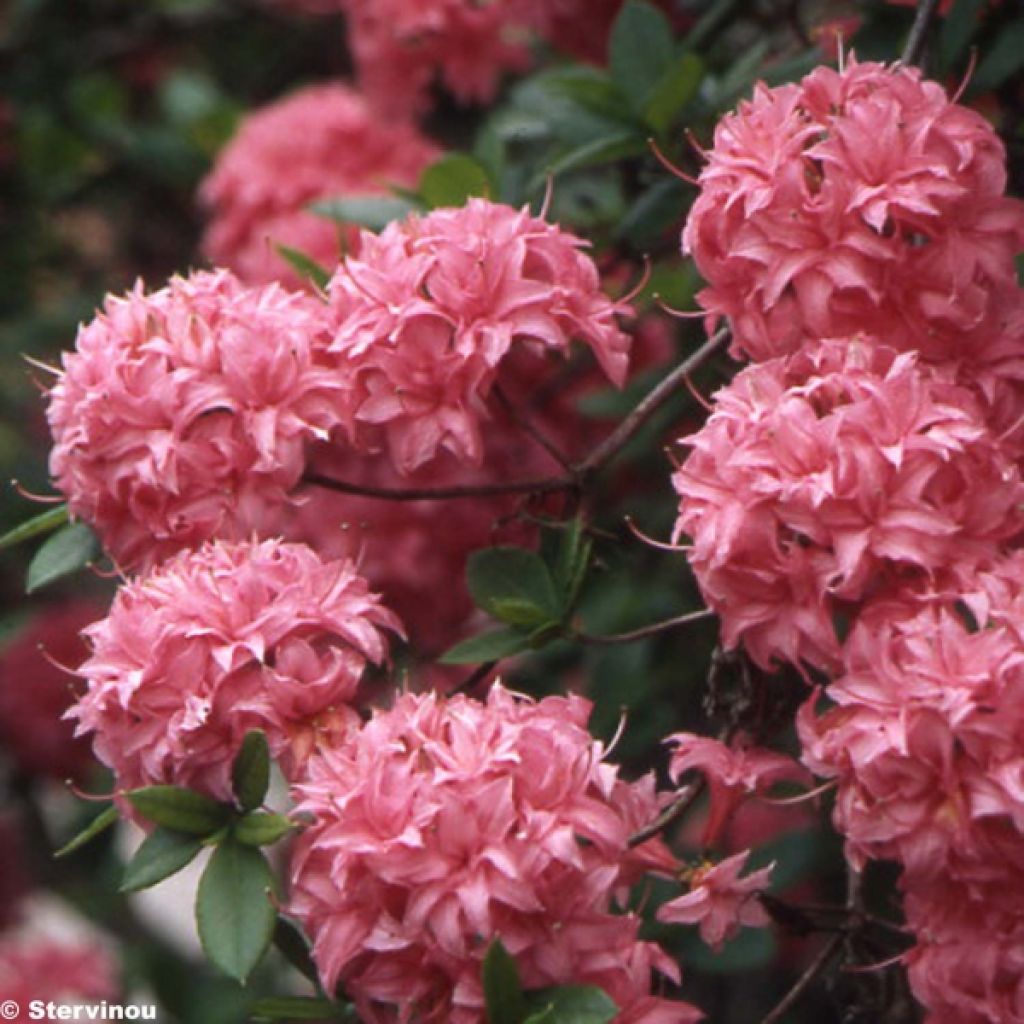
<point>220,641</point>
<point>720,901</point>
<point>856,201</point>
<point>184,414</point>
<point>732,772</point>
<point>35,691</point>
<point>820,476</point>
<point>432,306</point>
<point>321,142</point>
<point>48,970</point>
<point>443,824</point>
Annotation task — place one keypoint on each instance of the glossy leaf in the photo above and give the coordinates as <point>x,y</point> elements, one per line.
<point>98,825</point>
<point>179,809</point>
<point>499,643</point>
<point>250,773</point>
<point>67,551</point>
<point>640,51</point>
<point>503,995</point>
<point>162,854</point>
<point>453,179</point>
<point>45,522</point>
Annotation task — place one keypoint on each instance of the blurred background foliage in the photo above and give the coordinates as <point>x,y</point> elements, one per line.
<point>112,111</point>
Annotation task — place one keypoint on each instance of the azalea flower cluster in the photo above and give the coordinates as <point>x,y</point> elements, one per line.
<point>864,472</point>
<point>401,46</point>
<point>321,142</point>
<point>445,822</point>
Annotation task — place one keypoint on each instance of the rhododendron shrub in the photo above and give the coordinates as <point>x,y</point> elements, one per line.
<point>220,641</point>
<point>184,414</point>
<point>320,142</point>
<point>445,822</point>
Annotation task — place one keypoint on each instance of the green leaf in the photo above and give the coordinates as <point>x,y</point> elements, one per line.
<point>303,265</point>
<point>162,853</point>
<point>233,910</point>
<point>453,179</point>
<point>1005,59</point>
<point>292,945</point>
<point>958,29</point>
<point>260,829</point>
<point>573,1004</point>
<point>654,213</point>
<point>67,551</point>
<point>179,809</point>
<point>45,522</point>
<point>506,581</point>
<point>493,646</point>
<point>503,995</point>
<point>373,212</point>
<point>677,87</point>
<point>640,51</point>
<point>99,824</point>
<point>606,149</point>
<point>298,1008</point>
<point>250,773</point>
<point>545,1016</point>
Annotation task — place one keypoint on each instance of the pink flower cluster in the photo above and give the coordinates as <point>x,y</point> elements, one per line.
<point>856,202</point>
<point>430,308</point>
<point>220,641</point>
<point>874,478</point>
<point>824,475</point>
<point>444,823</point>
<point>321,142</point>
<point>184,414</point>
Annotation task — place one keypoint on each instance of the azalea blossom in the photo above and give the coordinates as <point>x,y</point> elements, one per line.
<point>431,307</point>
<point>184,414</point>
<point>732,772</point>
<point>443,824</point>
<point>720,901</point>
<point>821,476</point>
<point>220,641</point>
<point>855,201</point>
<point>321,142</point>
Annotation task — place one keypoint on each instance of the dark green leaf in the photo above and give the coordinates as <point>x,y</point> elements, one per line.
<point>654,213</point>
<point>545,1016</point>
<point>292,945</point>
<point>262,829</point>
<point>602,150</point>
<point>503,994</point>
<point>677,87</point>
<point>958,29</point>
<point>45,522</point>
<point>179,809</point>
<point>590,88</point>
<point>298,1008</point>
<point>506,580</point>
<point>73,548</point>
<point>250,773</point>
<point>373,212</point>
<point>573,1004</point>
<point>500,643</point>
<point>1005,59</point>
<point>161,854</point>
<point>454,179</point>
<point>303,265</point>
<point>99,824</point>
<point>234,914</point>
<point>640,51</point>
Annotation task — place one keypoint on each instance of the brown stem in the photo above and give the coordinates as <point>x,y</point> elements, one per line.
<point>527,425</point>
<point>923,18</point>
<point>646,631</point>
<point>675,810</point>
<point>817,965</point>
<point>572,481</point>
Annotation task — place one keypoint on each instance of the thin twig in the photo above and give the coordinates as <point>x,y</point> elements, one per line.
<point>675,810</point>
<point>817,965</point>
<point>623,434</point>
<point>480,672</point>
<point>539,486</point>
<point>572,481</point>
<point>646,631</point>
<point>530,428</point>
<point>923,18</point>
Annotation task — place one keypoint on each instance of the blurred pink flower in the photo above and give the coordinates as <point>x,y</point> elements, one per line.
<point>855,201</point>
<point>184,414</point>
<point>320,142</point>
<point>35,691</point>
<point>820,476</point>
<point>220,641</point>
<point>442,824</point>
<point>720,901</point>
<point>431,307</point>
